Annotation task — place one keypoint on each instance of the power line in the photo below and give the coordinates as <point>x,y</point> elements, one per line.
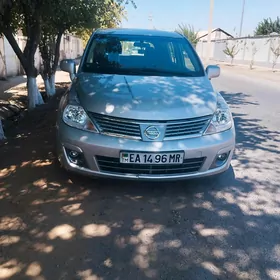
<point>150,18</point>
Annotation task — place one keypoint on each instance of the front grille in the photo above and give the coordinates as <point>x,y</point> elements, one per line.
<point>113,165</point>
<point>187,127</point>
<point>131,128</point>
<point>117,126</point>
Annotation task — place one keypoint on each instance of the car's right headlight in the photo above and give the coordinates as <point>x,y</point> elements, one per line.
<point>222,118</point>
<point>75,116</point>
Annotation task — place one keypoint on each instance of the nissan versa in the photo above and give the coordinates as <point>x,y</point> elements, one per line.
<point>142,106</point>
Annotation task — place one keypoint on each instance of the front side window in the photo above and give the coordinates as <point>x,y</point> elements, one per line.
<point>141,55</point>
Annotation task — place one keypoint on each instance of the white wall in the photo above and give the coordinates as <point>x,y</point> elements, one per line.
<point>71,47</point>
<point>263,56</point>
<point>12,63</point>
<point>2,65</point>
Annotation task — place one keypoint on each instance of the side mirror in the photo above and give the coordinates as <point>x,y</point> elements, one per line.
<point>213,71</point>
<point>68,65</point>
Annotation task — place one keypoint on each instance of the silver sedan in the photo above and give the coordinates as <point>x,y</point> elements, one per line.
<point>141,106</point>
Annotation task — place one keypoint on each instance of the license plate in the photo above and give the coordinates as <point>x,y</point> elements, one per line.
<point>152,158</point>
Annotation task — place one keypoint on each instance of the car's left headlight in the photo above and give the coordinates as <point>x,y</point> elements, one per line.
<point>222,118</point>
<point>75,116</point>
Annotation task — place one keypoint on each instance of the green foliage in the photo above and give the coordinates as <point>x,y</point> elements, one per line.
<point>47,47</point>
<point>42,21</point>
<point>23,15</point>
<point>268,26</point>
<point>78,17</point>
<point>189,32</point>
<point>232,50</point>
<point>109,15</point>
<point>58,18</point>
<point>9,15</point>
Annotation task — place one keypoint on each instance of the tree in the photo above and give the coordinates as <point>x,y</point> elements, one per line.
<point>33,17</point>
<point>47,47</point>
<point>232,49</point>
<point>189,32</point>
<point>76,17</point>
<point>253,50</point>
<point>110,18</point>
<point>275,49</point>
<point>60,18</point>
<point>24,15</point>
<point>268,26</point>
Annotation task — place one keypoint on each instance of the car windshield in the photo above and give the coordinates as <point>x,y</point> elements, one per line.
<point>141,55</point>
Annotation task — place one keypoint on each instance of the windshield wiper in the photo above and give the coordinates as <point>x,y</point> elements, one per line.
<point>138,71</point>
<point>158,71</point>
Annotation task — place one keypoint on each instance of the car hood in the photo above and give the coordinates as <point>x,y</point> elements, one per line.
<point>146,97</point>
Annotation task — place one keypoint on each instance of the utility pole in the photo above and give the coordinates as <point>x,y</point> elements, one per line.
<point>210,29</point>
<point>241,22</point>
<point>150,18</point>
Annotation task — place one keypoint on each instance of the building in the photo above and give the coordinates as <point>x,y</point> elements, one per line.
<point>216,34</point>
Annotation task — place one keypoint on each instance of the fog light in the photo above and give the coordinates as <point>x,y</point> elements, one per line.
<point>222,157</point>
<point>220,160</point>
<point>75,157</point>
<point>73,154</point>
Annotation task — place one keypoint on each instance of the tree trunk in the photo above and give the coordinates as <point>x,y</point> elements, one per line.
<point>8,32</point>
<point>55,62</point>
<point>34,96</point>
<point>251,65</point>
<point>50,51</point>
<point>2,136</point>
<point>52,84</point>
<point>26,59</point>
<point>57,51</point>
<point>40,99</point>
<point>47,86</point>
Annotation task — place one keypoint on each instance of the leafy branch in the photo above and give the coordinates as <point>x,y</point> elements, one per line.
<point>232,50</point>
<point>275,49</point>
<point>189,32</point>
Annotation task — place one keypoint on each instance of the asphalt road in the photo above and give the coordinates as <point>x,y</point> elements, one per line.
<point>59,226</point>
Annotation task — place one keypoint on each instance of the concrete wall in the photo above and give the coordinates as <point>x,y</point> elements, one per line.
<point>257,49</point>
<point>2,58</point>
<point>71,47</point>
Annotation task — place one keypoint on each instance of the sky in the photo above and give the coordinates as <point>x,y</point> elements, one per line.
<point>167,14</point>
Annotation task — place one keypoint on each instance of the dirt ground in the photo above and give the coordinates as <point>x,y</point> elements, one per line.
<point>55,225</point>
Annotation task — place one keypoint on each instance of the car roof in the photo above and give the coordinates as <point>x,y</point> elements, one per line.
<point>144,32</point>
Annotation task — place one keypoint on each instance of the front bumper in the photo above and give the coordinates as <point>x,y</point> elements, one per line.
<point>93,145</point>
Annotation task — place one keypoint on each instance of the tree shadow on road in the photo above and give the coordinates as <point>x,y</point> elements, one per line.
<point>237,99</point>
<point>56,225</point>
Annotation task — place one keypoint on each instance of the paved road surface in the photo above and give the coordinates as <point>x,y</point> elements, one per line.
<point>59,226</point>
